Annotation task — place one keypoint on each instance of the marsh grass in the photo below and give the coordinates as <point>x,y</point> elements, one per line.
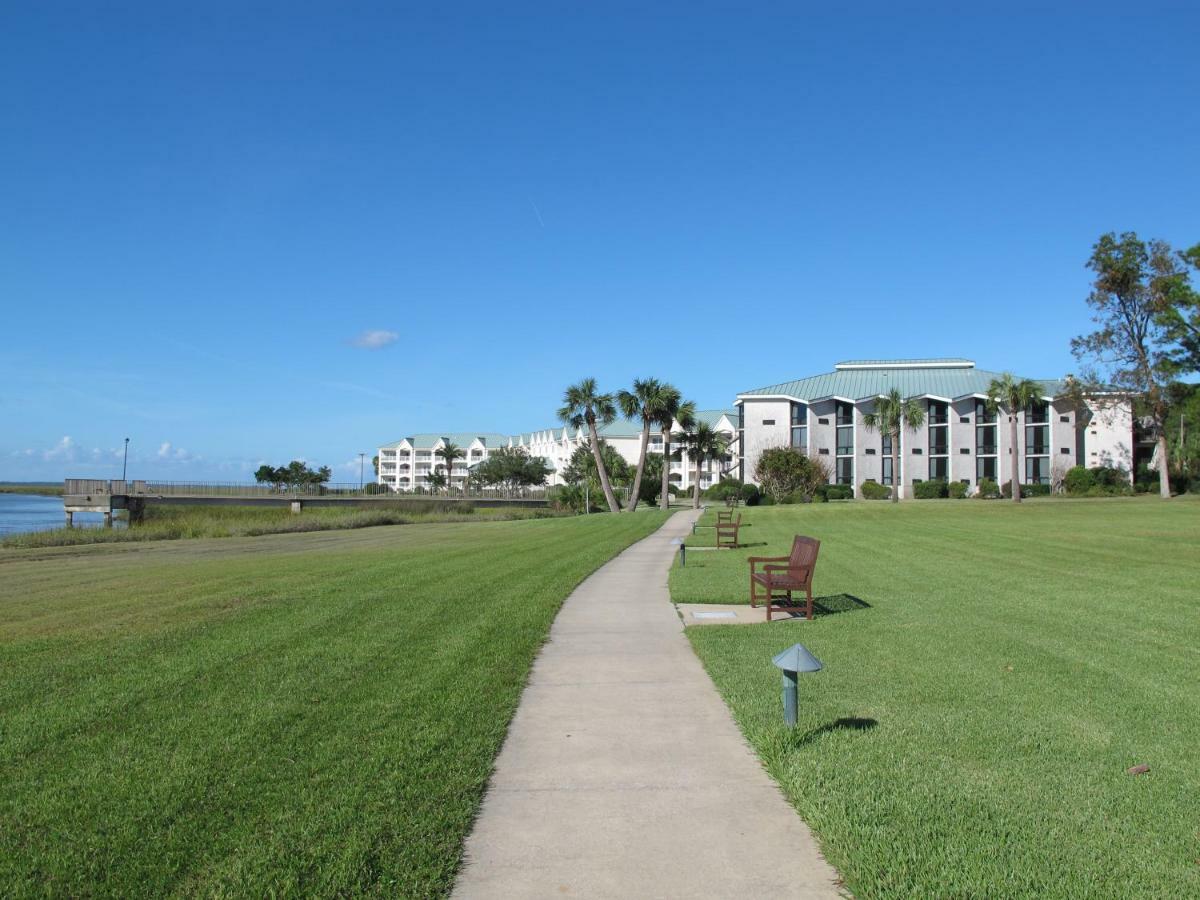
<point>169,523</point>
<point>40,489</point>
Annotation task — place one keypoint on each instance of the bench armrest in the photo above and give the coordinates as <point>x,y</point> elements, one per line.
<point>757,560</point>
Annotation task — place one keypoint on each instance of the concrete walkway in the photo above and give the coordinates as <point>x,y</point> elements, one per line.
<point>623,774</point>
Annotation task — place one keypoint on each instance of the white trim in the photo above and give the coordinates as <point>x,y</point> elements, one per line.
<point>741,398</point>
<point>960,364</point>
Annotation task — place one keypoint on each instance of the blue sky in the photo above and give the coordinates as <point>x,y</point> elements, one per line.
<point>237,232</point>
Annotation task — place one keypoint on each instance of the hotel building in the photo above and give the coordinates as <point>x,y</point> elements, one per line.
<point>960,439</point>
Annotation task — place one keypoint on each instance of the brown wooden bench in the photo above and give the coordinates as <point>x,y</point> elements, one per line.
<point>773,576</point>
<point>724,518</point>
<point>727,531</point>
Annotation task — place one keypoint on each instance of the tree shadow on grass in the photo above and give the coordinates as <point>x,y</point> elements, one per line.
<point>846,723</point>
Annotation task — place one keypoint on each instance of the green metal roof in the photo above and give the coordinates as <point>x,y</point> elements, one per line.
<point>462,438</point>
<point>951,379</point>
<point>713,416</point>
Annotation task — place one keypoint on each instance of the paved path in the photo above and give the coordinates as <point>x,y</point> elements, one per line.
<point>623,774</point>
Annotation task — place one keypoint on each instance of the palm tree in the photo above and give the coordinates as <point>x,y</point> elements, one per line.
<point>1013,396</point>
<point>703,443</point>
<point>643,403</point>
<point>666,409</point>
<point>892,414</point>
<point>583,405</point>
<point>448,453</point>
<point>672,409</point>
<point>437,479</point>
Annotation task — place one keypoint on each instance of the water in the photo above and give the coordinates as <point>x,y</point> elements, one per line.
<point>30,512</point>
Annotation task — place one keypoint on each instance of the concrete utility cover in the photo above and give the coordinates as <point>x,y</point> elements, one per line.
<point>714,615</point>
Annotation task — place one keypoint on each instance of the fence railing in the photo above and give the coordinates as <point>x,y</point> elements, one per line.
<point>76,486</point>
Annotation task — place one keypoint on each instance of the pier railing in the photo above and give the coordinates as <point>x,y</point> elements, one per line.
<point>136,488</point>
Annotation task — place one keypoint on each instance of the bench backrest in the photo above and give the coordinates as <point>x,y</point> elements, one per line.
<point>804,553</point>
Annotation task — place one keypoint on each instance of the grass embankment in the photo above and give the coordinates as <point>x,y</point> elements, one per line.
<point>31,487</point>
<point>290,715</point>
<point>971,731</point>
<point>168,523</point>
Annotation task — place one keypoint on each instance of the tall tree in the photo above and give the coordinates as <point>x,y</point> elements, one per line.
<point>1132,299</point>
<point>1181,317</point>
<point>671,408</point>
<point>643,404</point>
<point>892,415</point>
<point>583,404</point>
<point>703,443</point>
<point>448,453</point>
<point>1007,394</point>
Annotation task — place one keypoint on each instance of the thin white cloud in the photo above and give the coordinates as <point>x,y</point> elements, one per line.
<point>64,449</point>
<point>165,450</point>
<point>375,340</point>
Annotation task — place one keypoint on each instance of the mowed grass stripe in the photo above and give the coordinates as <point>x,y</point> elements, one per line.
<point>1015,660</point>
<point>320,723</point>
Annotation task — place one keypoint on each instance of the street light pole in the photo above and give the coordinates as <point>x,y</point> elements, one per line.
<point>361,457</point>
<point>125,463</point>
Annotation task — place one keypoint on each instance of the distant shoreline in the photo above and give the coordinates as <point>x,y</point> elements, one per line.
<point>37,488</point>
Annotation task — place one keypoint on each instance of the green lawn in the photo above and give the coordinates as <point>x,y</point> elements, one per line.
<point>991,672</point>
<point>292,714</point>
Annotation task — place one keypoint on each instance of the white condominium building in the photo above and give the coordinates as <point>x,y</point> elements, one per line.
<point>406,464</point>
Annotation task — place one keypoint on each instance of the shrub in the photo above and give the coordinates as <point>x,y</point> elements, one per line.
<point>766,500</point>
<point>873,490</point>
<point>929,490</point>
<point>957,490</point>
<point>1181,482</point>
<point>838,492</point>
<point>728,487</point>
<point>784,470</point>
<point>1078,480</point>
<point>750,494</point>
<point>1110,476</point>
<point>1027,490</point>
<point>988,489</point>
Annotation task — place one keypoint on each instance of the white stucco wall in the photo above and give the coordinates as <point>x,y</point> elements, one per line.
<point>1108,435</point>
<point>760,437</point>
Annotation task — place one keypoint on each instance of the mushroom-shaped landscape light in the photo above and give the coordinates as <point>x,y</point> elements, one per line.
<point>794,660</point>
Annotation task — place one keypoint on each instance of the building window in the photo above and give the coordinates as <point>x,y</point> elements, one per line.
<point>800,426</point>
<point>1037,443</point>
<point>939,440</point>
<point>1037,470</point>
<point>885,448</point>
<point>844,470</point>
<point>985,441</point>
<point>768,421</point>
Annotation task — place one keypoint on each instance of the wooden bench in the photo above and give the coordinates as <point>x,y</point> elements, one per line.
<point>727,531</point>
<point>773,576</point>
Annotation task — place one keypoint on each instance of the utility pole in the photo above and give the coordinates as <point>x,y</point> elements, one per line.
<point>361,458</point>
<point>125,463</point>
